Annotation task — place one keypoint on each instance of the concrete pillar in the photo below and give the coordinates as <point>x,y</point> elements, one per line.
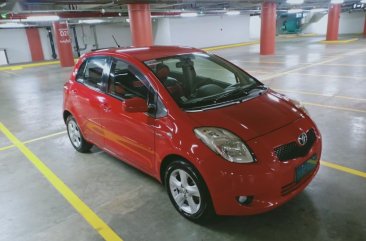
<point>35,45</point>
<point>364,27</point>
<point>140,24</point>
<point>333,21</point>
<point>268,28</point>
<point>63,41</point>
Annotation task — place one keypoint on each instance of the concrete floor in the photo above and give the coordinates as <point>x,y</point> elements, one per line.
<point>330,79</point>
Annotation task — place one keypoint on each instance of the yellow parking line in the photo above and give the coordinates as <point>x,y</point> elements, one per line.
<point>30,65</point>
<point>21,66</point>
<point>335,107</point>
<point>230,46</point>
<point>331,76</point>
<point>306,66</point>
<point>343,169</point>
<point>33,140</point>
<point>339,41</point>
<point>88,214</point>
<point>319,94</point>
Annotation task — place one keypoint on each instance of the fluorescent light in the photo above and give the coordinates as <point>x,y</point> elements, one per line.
<point>363,1</point>
<point>91,21</point>
<point>295,1</point>
<point>295,11</point>
<point>43,18</point>
<point>337,1</point>
<point>11,25</point>
<point>128,20</point>
<point>188,14</point>
<point>232,13</point>
<point>319,10</point>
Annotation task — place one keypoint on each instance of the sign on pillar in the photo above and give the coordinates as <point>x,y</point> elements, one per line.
<point>63,42</point>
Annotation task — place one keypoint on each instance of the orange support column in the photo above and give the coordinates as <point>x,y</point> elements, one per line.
<point>268,28</point>
<point>364,27</point>
<point>35,44</point>
<point>333,22</point>
<point>140,22</point>
<point>63,41</point>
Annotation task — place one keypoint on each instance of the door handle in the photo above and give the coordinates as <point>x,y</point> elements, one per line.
<point>105,107</point>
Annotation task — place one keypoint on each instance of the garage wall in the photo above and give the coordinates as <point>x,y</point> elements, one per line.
<point>349,23</point>
<point>255,27</point>
<point>16,44</point>
<point>120,31</point>
<point>202,31</point>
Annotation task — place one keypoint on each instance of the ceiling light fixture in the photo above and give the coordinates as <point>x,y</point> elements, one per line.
<point>337,1</point>
<point>318,10</point>
<point>188,14</point>
<point>11,25</point>
<point>43,18</point>
<point>295,1</point>
<point>91,21</point>
<point>232,13</point>
<point>363,1</point>
<point>295,11</point>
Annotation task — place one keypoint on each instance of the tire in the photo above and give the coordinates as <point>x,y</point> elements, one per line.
<point>76,138</point>
<point>188,192</point>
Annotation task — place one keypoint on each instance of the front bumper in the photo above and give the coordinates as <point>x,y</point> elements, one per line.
<point>269,181</point>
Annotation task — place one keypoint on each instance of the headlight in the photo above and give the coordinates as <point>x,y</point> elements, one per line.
<point>225,143</point>
<point>299,105</point>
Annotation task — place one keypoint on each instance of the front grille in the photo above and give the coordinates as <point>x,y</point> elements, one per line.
<point>293,150</point>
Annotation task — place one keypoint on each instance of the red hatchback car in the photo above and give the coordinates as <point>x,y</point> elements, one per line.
<point>217,138</point>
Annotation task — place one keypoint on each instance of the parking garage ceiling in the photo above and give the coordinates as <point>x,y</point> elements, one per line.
<point>115,11</point>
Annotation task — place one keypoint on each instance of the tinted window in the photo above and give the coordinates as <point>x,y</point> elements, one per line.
<point>93,72</point>
<point>201,80</point>
<point>125,81</point>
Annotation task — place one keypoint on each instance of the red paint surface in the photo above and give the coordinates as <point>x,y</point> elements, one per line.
<point>263,123</point>
<point>140,24</point>
<point>333,22</point>
<point>63,41</point>
<point>268,28</point>
<point>364,27</point>
<point>35,44</point>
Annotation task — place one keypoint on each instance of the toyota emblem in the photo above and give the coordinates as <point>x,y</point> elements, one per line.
<point>302,139</point>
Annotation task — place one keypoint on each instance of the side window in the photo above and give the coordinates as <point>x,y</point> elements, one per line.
<point>80,74</point>
<point>126,82</point>
<point>93,72</point>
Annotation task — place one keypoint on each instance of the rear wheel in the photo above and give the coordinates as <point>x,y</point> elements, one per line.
<point>75,136</point>
<point>188,192</point>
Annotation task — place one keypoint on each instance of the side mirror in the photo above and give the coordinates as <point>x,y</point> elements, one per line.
<point>135,104</point>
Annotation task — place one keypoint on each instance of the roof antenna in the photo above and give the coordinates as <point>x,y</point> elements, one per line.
<point>115,41</point>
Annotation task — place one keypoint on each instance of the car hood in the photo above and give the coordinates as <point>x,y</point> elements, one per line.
<point>251,118</point>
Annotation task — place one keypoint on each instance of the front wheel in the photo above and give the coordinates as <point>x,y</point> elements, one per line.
<point>75,136</point>
<point>188,192</point>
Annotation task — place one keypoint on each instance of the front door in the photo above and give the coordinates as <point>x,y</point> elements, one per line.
<point>129,136</point>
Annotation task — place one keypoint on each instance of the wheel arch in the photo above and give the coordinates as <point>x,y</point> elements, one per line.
<point>66,114</point>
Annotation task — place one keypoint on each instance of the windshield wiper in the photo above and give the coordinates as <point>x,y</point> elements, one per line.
<point>236,93</point>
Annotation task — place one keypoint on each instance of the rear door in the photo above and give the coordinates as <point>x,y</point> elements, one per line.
<point>87,94</point>
<point>129,136</point>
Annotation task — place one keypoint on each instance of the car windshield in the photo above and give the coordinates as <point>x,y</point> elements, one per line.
<point>200,80</point>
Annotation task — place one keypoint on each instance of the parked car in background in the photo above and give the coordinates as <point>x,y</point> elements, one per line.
<point>218,139</point>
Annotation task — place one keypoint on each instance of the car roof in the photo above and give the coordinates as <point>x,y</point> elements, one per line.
<point>150,52</point>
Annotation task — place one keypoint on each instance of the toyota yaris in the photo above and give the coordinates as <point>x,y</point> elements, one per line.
<point>218,139</point>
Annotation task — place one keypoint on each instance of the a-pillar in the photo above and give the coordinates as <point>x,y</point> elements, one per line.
<point>268,28</point>
<point>35,45</point>
<point>63,41</point>
<point>333,22</point>
<point>140,24</point>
